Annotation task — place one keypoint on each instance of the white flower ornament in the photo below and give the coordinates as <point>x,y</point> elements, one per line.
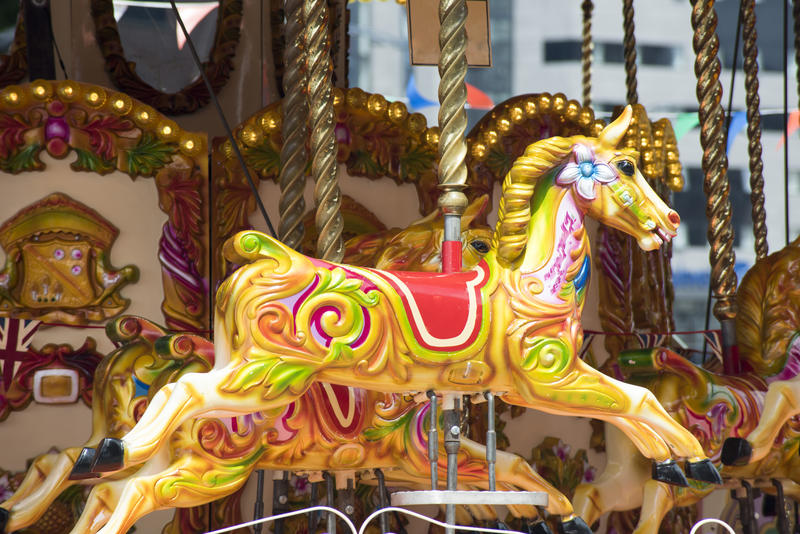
<point>585,171</point>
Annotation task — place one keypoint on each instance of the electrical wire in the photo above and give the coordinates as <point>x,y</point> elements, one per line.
<point>221,114</point>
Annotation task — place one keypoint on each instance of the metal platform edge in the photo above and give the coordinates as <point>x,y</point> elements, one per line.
<point>419,498</point>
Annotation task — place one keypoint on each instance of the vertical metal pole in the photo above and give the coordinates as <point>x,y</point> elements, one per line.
<point>382,500</point>
<point>452,440</point>
<point>348,497</point>
<point>331,491</point>
<point>258,508</point>
<point>782,519</point>
<point>433,441</point>
<point>327,196</point>
<point>313,517</point>
<point>280,498</point>
<point>453,124</point>
<point>491,441</point>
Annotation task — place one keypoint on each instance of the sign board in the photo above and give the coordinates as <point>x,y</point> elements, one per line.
<point>423,32</point>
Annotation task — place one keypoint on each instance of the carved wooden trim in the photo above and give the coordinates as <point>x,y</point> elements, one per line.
<point>111,131</point>
<point>192,97</point>
<point>14,65</point>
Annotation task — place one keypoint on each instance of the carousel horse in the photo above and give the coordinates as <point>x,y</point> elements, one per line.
<point>334,418</point>
<point>772,299</point>
<point>329,428</point>
<point>511,324</point>
<point>722,411</point>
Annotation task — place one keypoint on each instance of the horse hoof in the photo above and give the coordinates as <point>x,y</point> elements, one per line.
<point>539,527</point>
<point>736,451</point>
<point>83,465</point>
<point>110,456</point>
<point>5,515</point>
<point>704,471</point>
<point>576,525</point>
<point>669,472</point>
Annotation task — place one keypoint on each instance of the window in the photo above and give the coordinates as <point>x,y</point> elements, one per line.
<point>568,50</point>
<point>661,56</point>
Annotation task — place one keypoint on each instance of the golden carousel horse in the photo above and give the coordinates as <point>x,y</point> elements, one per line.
<point>329,428</point>
<point>724,412</point>
<point>511,324</point>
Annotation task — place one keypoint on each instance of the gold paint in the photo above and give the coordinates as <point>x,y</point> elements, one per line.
<point>397,112</point>
<point>376,104</point>
<point>271,121</point>
<point>491,137</point>
<point>356,97</point>
<point>545,101</point>
<point>12,97</point>
<point>432,136</point>
<point>517,115</point>
<point>417,122</point>
<point>479,151</point>
<point>531,109</point>
<point>56,386</point>
<point>559,103</point>
<point>251,136</point>
<point>503,125</point>
<point>338,97</point>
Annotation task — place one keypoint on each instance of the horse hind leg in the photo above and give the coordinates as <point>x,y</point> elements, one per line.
<point>45,480</point>
<point>193,395</point>
<point>781,403</point>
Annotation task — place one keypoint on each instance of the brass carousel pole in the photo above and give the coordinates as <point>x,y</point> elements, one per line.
<point>319,70</point>
<point>453,125</point>
<point>750,49</point>
<point>452,181</point>
<point>294,128</point>
<point>716,187</point>
<point>587,52</point>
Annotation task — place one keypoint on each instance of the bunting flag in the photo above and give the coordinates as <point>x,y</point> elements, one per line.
<point>737,124</point>
<point>684,123</point>
<point>477,99</point>
<point>588,337</point>
<point>651,341</point>
<point>714,343</point>
<point>415,99</point>
<point>792,124</point>
<point>15,339</point>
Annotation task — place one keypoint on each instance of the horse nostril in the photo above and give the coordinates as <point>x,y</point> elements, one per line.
<point>674,218</point>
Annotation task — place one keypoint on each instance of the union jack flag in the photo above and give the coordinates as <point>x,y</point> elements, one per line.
<point>15,338</point>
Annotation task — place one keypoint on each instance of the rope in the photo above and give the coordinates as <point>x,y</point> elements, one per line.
<point>750,49</point>
<point>629,45</point>
<point>294,130</point>
<point>587,52</point>
<point>323,140</point>
<point>715,163</point>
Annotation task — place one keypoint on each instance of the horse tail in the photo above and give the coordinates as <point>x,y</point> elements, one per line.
<point>767,319</point>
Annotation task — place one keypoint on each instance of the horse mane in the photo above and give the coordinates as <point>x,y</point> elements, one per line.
<point>767,320</point>
<point>510,236</point>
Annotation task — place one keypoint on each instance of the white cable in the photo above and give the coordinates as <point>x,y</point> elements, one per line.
<point>702,522</point>
<point>376,513</point>
<point>290,514</point>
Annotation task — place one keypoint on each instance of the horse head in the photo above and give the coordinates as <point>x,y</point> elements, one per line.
<point>608,185</point>
<point>559,180</point>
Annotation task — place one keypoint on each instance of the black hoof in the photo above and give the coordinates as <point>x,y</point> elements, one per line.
<point>736,451</point>
<point>704,471</point>
<point>539,527</point>
<point>110,456</point>
<point>5,515</point>
<point>669,472</point>
<point>83,465</point>
<point>576,525</point>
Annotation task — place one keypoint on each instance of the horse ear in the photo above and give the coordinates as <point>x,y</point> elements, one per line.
<point>475,208</point>
<point>614,132</point>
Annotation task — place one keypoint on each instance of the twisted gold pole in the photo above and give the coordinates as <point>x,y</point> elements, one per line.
<point>452,115</point>
<point>715,163</point>
<point>750,49</point>
<point>323,140</point>
<point>629,44</point>
<point>294,129</point>
<point>587,52</point>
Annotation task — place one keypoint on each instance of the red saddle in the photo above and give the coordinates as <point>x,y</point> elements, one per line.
<point>445,310</point>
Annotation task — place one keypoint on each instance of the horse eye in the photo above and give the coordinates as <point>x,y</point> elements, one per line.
<point>479,246</point>
<point>625,167</point>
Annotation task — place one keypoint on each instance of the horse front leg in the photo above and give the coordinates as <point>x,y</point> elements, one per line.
<point>583,391</point>
<point>618,487</point>
<point>191,396</point>
<point>781,403</point>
